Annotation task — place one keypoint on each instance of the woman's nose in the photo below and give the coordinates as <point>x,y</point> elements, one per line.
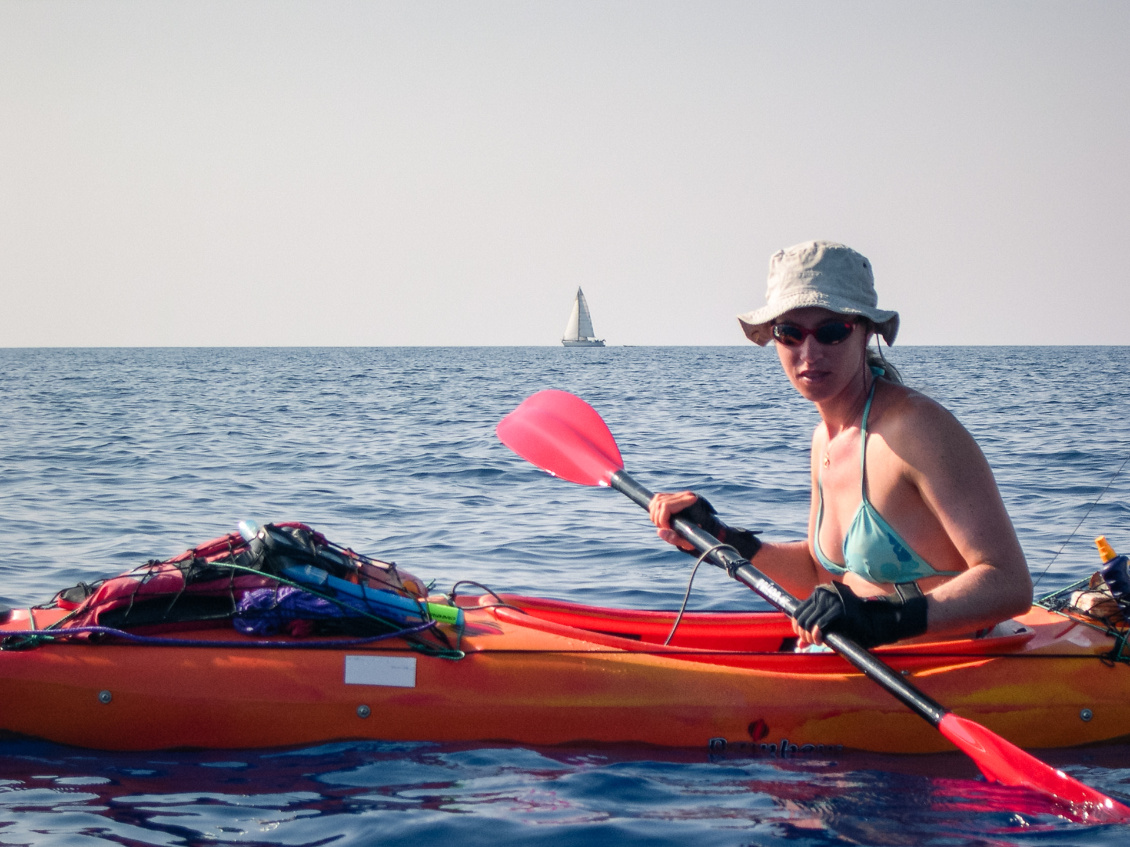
<point>809,348</point>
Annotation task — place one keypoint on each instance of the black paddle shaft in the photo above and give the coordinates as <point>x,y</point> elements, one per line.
<point>740,568</point>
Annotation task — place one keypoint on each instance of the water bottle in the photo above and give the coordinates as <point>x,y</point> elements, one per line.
<point>249,530</point>
<point>1116,572</point>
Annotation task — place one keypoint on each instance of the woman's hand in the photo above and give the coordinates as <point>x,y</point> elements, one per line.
<point>663,507</point>
<point>869,621</point>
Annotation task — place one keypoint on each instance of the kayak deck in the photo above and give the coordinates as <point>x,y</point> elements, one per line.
<point>729,638</point>
<point>538,671</point>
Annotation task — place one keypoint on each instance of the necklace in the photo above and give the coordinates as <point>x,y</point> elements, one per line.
<point>828,451</point>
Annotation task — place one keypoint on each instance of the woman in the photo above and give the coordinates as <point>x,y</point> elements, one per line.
<point>907,532</point>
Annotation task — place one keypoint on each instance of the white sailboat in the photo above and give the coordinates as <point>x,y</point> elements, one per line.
<point>578,332</point>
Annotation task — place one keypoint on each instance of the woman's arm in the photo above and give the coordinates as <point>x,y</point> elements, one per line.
<point>955,482</point>
<point>788,564</point>
<point>933,479</point>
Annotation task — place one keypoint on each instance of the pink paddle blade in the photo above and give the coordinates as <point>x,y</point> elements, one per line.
<point>564,436</point>
<point>1007,764</point>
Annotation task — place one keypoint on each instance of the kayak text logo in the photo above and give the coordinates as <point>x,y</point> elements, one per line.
<point>782,750</point>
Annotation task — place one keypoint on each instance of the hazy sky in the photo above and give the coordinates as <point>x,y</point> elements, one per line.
<point>388,173</point>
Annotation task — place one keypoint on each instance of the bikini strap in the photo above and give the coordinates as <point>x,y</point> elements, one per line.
<point>863,439</point>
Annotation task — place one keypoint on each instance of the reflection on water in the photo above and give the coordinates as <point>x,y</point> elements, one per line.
<point>422,793</point>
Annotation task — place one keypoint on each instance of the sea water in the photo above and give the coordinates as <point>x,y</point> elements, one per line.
<point>112,457</point>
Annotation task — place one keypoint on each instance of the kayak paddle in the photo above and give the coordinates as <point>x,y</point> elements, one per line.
<point>564,436</point>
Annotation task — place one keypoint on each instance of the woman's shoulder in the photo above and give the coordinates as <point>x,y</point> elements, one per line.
<point>913,422</point>
<point>900,402</point>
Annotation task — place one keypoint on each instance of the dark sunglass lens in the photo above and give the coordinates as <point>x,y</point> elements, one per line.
<point>788,334</point>
<point>833,333</point>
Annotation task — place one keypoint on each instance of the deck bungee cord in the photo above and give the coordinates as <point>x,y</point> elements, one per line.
<point>499,604</point>
<point>33,637</point>
<point>280,579</point>
<point>1089,602</point>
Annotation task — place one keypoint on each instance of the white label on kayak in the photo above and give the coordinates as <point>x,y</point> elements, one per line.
<point>380,670</point>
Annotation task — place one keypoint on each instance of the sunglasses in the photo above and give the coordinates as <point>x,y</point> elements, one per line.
<point>829,332</point>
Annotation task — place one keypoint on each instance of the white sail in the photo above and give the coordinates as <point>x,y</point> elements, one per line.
<point>578,331</point>
<point>584,318</point>
<point>572,328</point>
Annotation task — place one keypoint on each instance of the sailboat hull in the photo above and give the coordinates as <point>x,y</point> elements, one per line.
<point>582,342</point>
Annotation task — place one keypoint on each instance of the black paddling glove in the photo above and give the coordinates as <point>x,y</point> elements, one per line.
<point>870,622</point>
<point>702,515</point>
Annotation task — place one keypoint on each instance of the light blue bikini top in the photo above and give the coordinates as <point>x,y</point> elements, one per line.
<point>872,549</point>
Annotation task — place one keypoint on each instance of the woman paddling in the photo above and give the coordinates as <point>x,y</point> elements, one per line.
<point>907,532</point>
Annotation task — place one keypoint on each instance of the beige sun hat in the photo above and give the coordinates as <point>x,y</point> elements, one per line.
<point>823,274</point>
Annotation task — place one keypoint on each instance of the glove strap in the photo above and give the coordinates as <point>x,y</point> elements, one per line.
<point>912,615</point>
<point>702,514</point>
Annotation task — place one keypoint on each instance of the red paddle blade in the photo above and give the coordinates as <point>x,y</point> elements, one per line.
<point>564,436</point>
<point>1007,764</point>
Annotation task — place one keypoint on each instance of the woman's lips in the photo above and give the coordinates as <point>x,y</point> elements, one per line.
<point>812,375</point>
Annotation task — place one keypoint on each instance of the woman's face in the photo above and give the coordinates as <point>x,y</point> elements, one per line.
<point>820,370</point>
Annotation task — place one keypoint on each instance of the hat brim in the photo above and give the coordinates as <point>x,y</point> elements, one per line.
<point>757,324</point>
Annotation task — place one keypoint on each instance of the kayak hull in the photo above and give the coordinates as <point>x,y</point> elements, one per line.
<point>543,672</point>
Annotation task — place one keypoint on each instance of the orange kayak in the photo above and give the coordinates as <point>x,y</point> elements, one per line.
<point>547,672</point>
